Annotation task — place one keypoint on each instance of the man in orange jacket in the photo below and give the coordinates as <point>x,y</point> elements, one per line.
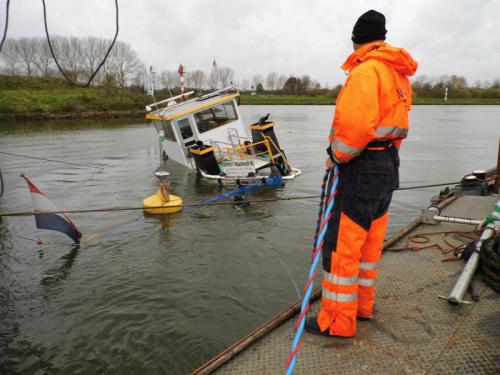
<point>371,120</point>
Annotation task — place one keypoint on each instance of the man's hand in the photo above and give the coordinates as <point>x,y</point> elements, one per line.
<point>329,164</point>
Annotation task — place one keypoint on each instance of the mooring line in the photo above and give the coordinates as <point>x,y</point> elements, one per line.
<point>111,209</point>
<point>52,160</point>
<point>136,208</point>
<point>427,186</point>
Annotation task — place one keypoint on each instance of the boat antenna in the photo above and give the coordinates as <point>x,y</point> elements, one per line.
<point>152,86</point>
<point>181,72</point>
<point>92,76</point>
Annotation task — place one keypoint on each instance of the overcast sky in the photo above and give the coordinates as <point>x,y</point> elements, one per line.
<point>289,36</point>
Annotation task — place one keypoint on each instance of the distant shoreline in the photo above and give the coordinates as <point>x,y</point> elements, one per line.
<point>29,98</point>
<point>139,114</point>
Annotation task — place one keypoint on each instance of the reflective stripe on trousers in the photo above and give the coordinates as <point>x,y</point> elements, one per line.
<point>339,297</point>
<point>368,265</point>
<point>366,282</point>
<point>335,279</point>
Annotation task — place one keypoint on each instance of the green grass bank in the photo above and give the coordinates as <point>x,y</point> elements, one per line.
<point>42,98</point>
<point>329,100</point>
<point>30,98</point>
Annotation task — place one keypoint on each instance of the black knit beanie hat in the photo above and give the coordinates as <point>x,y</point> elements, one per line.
<point>369,27</point>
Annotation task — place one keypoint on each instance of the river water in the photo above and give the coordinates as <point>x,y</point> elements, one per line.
<point>162,295</point>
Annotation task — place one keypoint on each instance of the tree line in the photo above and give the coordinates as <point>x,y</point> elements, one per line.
<point>456,87</point>
<point>79,57</point>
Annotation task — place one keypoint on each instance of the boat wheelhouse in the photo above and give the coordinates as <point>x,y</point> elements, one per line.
<point>207,133</point>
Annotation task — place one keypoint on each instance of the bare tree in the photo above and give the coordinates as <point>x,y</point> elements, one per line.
<point>197,78</point>
<point>225,75</point>
<point>26,49</point>
<point>256,80</point>
<point>69,54</point>
<point>245,84</point>
<point>271,81</point>
<point>101,48</point>
<point>124,63</point>
<point>139,78</point>
<point>170,79</point>
<point>93,53</point>
<point>43,58</point>
<point>280,81</point>
<point>10,56</point>
<point>213,78</point>
<point>305,83</point>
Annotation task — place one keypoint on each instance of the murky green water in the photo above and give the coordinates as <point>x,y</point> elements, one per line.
<point>161,296</point>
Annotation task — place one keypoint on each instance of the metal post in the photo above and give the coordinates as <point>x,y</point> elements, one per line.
<point>497,181</point>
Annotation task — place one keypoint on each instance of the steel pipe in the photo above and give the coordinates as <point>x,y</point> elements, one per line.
<point>457,293</point>
<point>429,217</point>
<point>458,220</point>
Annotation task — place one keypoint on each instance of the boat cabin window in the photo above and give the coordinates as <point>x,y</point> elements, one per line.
<point>169,132</point>
<point>165,129</point>
<point>185,128</point>
<point>215,116</point>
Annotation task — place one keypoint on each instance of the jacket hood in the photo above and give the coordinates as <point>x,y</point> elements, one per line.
<point>397,58</point>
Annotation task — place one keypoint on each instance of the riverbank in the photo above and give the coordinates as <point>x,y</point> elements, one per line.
<point>29,98</point>
<point>25,98</point>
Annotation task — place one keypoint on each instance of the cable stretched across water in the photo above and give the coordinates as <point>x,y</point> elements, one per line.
<point>137,208</point>
<point>52,160</point>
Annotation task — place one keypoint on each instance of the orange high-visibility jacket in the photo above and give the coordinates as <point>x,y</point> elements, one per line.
<point>375,100</point>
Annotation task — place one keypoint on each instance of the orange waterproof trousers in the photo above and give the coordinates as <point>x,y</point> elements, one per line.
<point>353,241</point>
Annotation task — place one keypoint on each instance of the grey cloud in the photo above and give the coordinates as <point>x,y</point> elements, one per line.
<point>291,36</point>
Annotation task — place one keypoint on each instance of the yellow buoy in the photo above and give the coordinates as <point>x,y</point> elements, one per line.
<point>173,205</point>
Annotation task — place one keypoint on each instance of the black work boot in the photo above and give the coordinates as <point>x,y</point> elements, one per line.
<point>363,318</point>
<point>312,326</point>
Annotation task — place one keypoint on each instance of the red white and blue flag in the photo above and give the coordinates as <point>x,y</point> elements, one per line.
<point>52,221</point>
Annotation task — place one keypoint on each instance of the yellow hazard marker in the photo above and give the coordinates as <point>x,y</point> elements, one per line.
<point>162,202</point>
<point>172,206</point>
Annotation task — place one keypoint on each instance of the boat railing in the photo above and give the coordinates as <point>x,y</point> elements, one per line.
<point>168,102</point>
<point>269,139</point>
<point>218,92</point>
<point>242,151</point>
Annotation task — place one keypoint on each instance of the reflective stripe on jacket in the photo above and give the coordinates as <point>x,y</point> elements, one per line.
<point>374,101</point>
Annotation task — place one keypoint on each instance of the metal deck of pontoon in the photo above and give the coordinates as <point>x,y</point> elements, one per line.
<point>413,332</point>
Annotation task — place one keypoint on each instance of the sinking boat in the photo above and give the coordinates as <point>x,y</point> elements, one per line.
<point>207,134</point>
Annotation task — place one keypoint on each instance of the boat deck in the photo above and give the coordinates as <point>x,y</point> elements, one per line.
<point>412,332</point>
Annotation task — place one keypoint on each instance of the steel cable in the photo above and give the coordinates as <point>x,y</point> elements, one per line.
<point>7,6</point>
<point>135,208</point>
<point>57,61</point>
<point>52,160</point>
